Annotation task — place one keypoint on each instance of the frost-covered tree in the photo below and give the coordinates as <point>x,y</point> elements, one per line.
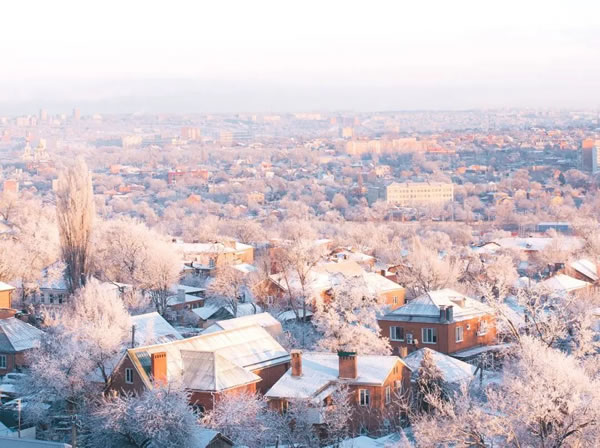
<point>546,399</point>
<point>78,350</point>
<point>228,287</point>
<point>347,318</point>
<point>75,209</point>
<point>429,382</point>
<point>160,417</point>
<point>426,269</point>
<point>127,251</point>
<point>242,418</point>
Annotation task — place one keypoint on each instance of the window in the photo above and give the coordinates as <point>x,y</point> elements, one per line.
<point>483,328</point>
<point>429,336</point>
<point>388,395</point>
<point>397,333</point>
<point>365,397</point>
<point>409,338</point>
<point>129,376</point>
<point>2,361</point>
<point>395,299</point>
<point>459,333</point>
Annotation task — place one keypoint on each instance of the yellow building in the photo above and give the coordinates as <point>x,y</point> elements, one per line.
<point>419,193</point>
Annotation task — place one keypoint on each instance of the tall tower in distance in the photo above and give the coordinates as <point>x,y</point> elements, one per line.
<point>589,155</point>
<point>76,114</point>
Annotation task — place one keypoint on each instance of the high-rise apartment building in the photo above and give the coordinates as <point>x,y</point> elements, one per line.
<point>589,155</point>
<point>419,193</point>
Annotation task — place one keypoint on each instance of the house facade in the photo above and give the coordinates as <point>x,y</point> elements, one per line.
<point>16,339</point>
<point>246,359</point>
<point>444,320</point>
<point>376,385</point>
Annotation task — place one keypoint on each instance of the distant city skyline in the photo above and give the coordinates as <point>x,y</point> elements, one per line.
<point>289,56</point>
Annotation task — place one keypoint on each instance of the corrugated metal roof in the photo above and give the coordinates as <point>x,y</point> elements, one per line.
<point>250,347</point>
<point>209,371</point>
<point>16,335</point>
<point>152,328</point>
<point>427,306</point>
<point>265,320</point>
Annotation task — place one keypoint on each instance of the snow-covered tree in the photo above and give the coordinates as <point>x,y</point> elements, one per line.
<point>241,417</point>
<point>160,417</point>
<point>347,318</point>
<point>429,382</point>
<point>75,210</point>
<point>228,287</point>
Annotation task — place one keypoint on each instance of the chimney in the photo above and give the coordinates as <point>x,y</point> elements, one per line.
<point>7,313</point>
<point>348,367</point>
<point>296,363</point>
<point>403,351</point>
<point>443,313</point>
<point>133,336</point>
<point>450,313</point>
<point>158,367</point>
<point>181,295</point>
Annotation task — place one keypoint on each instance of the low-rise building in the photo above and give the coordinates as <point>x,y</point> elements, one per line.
<point>443,320</point>
<point>16,339</point>
<point>375,383</point>
<point>419,193</point>
<point>241,360</point>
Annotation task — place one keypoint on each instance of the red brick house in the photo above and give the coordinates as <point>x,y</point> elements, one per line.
<point>376,384</point>
<point>443,320</point>
<point>16,339</point>
<point>246,359</point>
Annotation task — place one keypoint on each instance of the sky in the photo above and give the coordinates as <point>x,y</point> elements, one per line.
<point>286,55</point>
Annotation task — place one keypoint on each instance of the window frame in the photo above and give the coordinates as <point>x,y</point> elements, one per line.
<point>4,363</point>
<point>128,375</point>
<point>388,394</point>
<point>393,334</point>
<point>364,397</point>
<point>429,330</point>
<point>456,333</point>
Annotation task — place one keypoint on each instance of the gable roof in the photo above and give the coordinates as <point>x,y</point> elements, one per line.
<point>586,267</point>
<point>265,320</point>
<point>320,373</point>
<point>16,335</point>
<point>209,371</point>
<point>152,328</point>
<point>250,347</point>
<point>562,283</point>
<point>426,307</point>
<point>453,370</point>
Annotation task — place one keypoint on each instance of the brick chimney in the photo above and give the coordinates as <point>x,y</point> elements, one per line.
<point>296,362</point>
<point>348,367</point>
<point>7,313</point>
<point>158,368</point>
<point>403,351</point>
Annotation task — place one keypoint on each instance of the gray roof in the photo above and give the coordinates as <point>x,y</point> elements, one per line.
<point>152,328</point>
<point>426,308</point>
<point>16,335</point>
<point>209,371</point>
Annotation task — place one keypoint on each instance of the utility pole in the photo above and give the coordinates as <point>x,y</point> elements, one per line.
<point>19,416</point>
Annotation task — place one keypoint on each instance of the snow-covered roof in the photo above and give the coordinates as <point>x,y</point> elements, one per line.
<point>539,243</point>
<point>209,371</point>
<point>562,283</point>
<point>265,320</point>
<point>212,248</point>
<point>586,267</point>
<point>426,308</point>
<point>250,347</point>
<point>453,370</point>
<point>320,371</point>
<point>244,268</point>
<point>152,328</point>
<point>326,275</point>
<point>6,287</point>
<point>290,315</point>
<point>378,284</point>
<point>207,311</point>
<point>16,335</point>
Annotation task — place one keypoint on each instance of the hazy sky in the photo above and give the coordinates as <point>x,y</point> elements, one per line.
<point>290,55</point>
